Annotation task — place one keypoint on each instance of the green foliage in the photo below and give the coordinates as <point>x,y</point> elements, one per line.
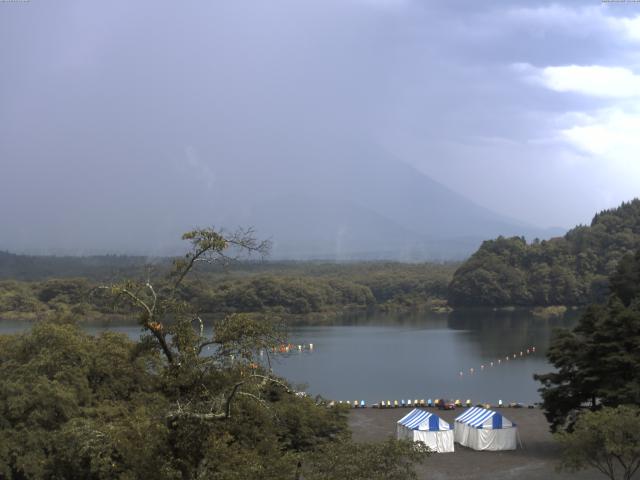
<point>291,289</point>
<point>608,440</point>
<point>284,294</point>
<point>625,282</point>
<point>100,267</point>
<point>390,460</point>
<point>75,406</point>
<point>571,270</point>
<point>597,363</point>
<point>244,336</point>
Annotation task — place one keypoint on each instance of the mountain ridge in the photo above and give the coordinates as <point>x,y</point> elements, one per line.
<point>419,218</point>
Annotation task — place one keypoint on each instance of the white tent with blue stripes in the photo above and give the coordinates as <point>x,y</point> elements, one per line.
<point>427,427</point>
<point>483,429</point>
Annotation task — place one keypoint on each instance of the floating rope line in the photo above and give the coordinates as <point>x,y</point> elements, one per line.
<point>507,358</point>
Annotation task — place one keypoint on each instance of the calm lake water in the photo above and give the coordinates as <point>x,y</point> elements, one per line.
<point>375,357</point>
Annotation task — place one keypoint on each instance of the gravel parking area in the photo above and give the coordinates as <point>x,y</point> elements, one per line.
<point>536,460</point>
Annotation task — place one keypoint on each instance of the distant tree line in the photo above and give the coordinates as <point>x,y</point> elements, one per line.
<point>95,267</point>
<point>297,289</point>
<point>569,270</point>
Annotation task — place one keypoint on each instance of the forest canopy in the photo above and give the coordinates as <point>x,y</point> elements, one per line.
<point>285,288</point>
<point>569,270</point>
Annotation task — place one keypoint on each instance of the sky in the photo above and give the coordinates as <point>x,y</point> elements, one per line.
<point>118,117</point>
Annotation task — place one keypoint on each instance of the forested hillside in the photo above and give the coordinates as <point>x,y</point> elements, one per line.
<point>569,270</point>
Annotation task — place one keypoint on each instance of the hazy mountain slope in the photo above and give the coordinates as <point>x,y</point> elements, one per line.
<point>396,190</point>
<point>349,201</point>
<point>307,227</point>
<point>314,196</point>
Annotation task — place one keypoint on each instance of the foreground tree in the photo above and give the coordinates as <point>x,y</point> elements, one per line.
<point>389,460</point>
<point>598,362</point>
<point>77,406</point>
<point>607,440</point>
<point>187,401</point>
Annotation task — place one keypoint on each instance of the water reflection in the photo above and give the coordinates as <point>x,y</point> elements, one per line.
<point>390,356</point>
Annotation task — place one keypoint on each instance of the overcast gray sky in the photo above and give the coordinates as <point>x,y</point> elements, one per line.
<point>117,115</point>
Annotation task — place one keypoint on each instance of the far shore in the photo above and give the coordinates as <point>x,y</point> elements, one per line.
<point>312,318</point>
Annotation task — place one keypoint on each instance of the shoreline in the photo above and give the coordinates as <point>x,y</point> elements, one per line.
<point>327,317</point>
<point>310,319</point>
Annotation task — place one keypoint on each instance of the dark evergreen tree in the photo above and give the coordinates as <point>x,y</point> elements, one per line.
<point>625,282</point>
<point>598,362</point>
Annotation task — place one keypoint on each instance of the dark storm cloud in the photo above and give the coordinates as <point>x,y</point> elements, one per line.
<point>135,117</point>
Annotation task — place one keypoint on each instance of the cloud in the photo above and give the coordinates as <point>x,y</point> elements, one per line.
<point>558,16</point>
<point>629,26</point>
<point>583,22</point>
<point>111,87</point>
<point>387,4</point>
<point>593,80</point>
<point>610,133</point>
<point>603,130</point>
<point>610,138</point>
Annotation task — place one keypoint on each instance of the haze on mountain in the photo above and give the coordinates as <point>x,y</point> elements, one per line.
<point>368,205</point>
<point>351,129</point>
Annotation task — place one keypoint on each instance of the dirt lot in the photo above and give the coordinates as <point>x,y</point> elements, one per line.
<point>536,460</point>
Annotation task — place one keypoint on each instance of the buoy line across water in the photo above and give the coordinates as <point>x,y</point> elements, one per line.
<point>498,362</point>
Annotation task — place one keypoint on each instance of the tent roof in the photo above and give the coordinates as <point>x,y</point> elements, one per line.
<point>422,420</point>
<point>479,417</point>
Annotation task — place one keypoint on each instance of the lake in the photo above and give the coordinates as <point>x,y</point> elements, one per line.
<point>392,356</point>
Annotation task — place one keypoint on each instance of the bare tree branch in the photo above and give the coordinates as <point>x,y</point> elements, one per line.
<point>155,297</point>
<point>256,398</point>
<point>148,321</point>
